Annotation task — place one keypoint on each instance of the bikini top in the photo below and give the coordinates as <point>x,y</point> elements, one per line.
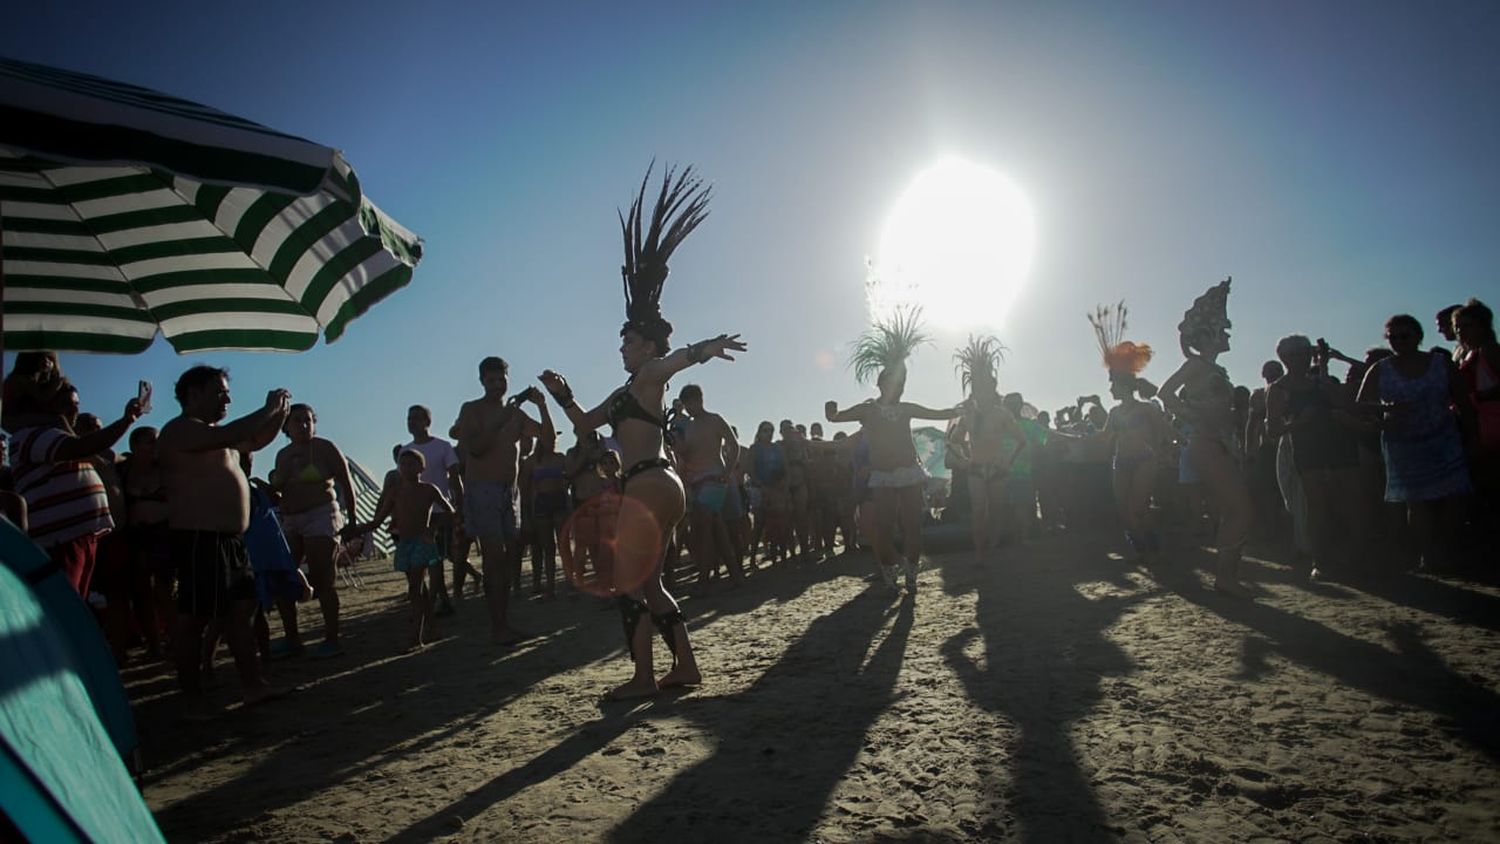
<point>310,474</point>
<point>626,406</point>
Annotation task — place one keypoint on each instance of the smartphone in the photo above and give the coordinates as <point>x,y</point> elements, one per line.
<point>143,395</point>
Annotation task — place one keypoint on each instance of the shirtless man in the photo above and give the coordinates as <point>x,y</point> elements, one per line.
<point>208,511</point>
<point>490,430</point>
<point>706,450</point>
<point>896,477</point>
<point>413,502</point>
<point>985,427</point>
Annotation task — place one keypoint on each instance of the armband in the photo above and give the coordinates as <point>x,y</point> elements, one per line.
<point>697,352</point>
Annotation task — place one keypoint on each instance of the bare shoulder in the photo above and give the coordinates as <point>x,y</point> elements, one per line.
<point>177,429</point>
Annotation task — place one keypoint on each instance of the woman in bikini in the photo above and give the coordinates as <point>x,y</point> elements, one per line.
<point>1201,395</point>
<point>896,481</point>
<point>1136,431</point>
<point>312,475</point>
<point>985,441</point>
<point>549,509</point>
<point>653,499</point>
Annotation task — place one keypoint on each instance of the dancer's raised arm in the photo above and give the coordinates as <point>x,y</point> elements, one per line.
<point>583,421</point>
<point>856,413</point>
<point>663,368</point>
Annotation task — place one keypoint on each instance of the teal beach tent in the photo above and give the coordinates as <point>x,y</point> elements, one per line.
<point>65,723</point>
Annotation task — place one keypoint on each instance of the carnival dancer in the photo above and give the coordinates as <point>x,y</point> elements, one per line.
<point>1201,395</point>
<point>896,477</point>
<point>653,499</point>
<point>1136,430</point>
<point>978,439</point>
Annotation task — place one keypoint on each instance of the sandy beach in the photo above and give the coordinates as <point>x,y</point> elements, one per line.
<point>1049,693</point>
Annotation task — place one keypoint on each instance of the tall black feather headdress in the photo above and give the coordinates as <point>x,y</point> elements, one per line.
<point>681,204</point>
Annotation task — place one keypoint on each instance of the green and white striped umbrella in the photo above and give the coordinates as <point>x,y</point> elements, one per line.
<point>124,210</point>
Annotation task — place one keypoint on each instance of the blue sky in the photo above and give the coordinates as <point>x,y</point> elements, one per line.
<point>1338,159</point>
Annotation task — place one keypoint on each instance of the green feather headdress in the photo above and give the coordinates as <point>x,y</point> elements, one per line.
<point>980,356</point>
<point>681,204</point>
<point>888,343</point>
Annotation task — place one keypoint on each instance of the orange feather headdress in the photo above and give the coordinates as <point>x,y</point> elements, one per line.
<point>1121,356</point>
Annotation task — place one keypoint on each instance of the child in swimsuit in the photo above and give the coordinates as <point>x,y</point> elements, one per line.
<point>411,502</point>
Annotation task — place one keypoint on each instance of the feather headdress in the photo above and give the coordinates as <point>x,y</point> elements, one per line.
<point>888,343</point>
<point>681,204</point>
<point>1208,316</point>
<point>980,357</point>
<point>1121,356</point>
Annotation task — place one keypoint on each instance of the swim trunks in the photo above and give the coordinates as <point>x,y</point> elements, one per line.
<point>412,554</point>
<point>213,572</point>
<point>492,509</point>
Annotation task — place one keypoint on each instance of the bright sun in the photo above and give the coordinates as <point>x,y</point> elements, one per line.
<point>958,243</point>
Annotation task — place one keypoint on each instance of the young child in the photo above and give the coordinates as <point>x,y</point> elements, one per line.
<point>410,500</point>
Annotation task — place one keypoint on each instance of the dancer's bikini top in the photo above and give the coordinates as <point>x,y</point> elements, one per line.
<point>626,406</point>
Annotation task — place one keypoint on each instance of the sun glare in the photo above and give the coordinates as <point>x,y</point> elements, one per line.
<point>959,243</point>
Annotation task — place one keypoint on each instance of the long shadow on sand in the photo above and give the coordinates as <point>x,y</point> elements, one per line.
<point>1044,655</point>
<point>1411,674</point>
<point>1439,597</point>
<point>386,706</point>
<point>782,750</point>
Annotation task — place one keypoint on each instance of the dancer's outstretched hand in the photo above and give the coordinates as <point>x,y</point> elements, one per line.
<point>720,346</point>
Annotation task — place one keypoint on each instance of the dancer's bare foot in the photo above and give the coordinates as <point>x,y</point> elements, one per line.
<point>682,675</point>
<point>638,687</point>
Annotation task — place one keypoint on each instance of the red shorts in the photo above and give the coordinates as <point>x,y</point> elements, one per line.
<point>76,558</point>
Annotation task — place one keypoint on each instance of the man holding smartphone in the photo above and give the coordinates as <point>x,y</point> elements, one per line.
<point>208,511</point>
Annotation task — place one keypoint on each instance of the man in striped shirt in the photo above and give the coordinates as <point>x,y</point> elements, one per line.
<point>67,508</point>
